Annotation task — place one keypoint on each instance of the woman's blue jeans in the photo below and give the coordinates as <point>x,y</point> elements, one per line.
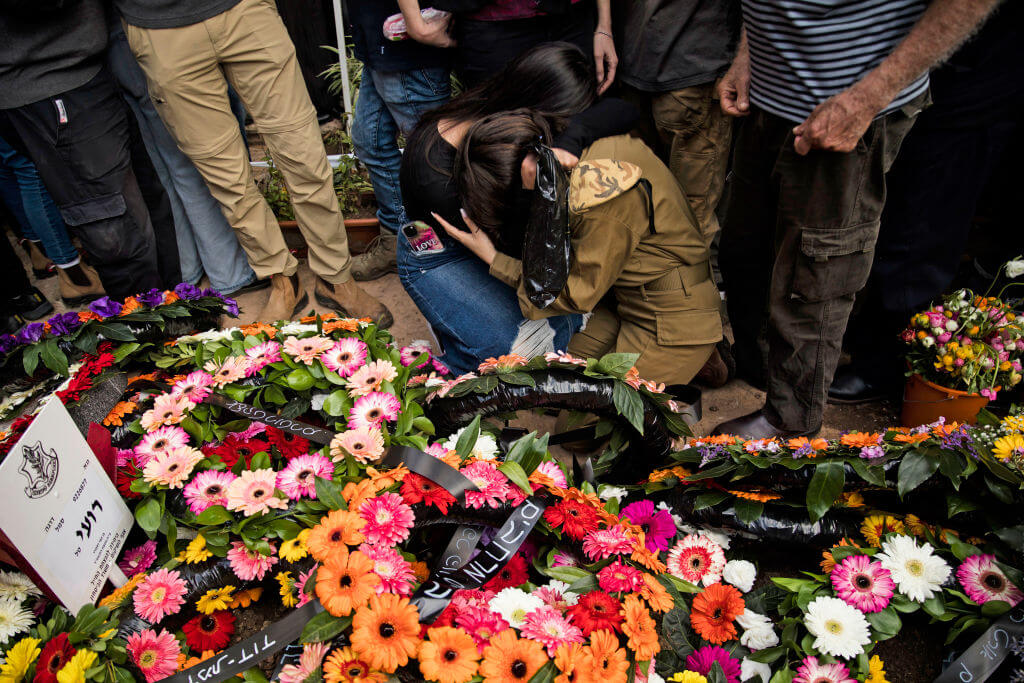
<point>474,315</point>
<point>23,192</point>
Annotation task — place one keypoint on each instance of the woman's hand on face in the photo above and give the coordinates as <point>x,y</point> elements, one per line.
<point>475,240</point>
<point>567,159</point>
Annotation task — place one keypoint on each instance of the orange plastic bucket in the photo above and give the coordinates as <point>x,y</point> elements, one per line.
<point>925,402</point>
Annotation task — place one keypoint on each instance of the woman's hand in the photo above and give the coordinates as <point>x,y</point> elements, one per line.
<point>567,159</point>
<point>475,240</point>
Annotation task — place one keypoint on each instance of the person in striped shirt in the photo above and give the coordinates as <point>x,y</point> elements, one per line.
<point>828,89</point>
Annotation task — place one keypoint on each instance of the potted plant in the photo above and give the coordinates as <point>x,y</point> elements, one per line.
<point>960,353</point>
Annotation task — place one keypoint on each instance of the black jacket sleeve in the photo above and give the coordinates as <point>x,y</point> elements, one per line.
<point>610,116</point>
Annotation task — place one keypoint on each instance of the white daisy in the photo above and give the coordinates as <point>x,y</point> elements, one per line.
<point>839,629</point>
<point>514,604</point>
<point>13,619</point>
<point>485,448</point>
<point>917,571</point>
<point>16,586</point>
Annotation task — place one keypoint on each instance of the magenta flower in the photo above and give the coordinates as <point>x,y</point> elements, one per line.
<point>657,524</point>
<point>702,660</point>
<point>864,584</point>
<point>138,560</point>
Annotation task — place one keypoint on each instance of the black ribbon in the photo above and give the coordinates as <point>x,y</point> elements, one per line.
<point>986,654</point>
<point>434,595</point>
<point>250,651</point>
<point>306,431</point>
<point>434,469</point>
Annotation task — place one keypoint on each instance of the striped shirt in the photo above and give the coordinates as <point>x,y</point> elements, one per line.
<point>804,51</point>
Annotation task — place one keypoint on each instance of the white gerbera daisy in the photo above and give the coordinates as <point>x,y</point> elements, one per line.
<point>16,586</point>
<point>13,619</point>
<point>486,448</point>
<point>917,571</point>
<point>514,604</point>
<point>839,629</point>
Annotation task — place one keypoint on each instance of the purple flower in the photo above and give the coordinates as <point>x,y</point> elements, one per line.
<point>7,342</point>
<point>188,292</point>
<point>105,307</point>
<point>872,452</point>
<point>230,305</point>
<point>64,323</point>
<point>31,333</point>
<point>152,298</point>
<point>709,452</point>
<point>804,451</point>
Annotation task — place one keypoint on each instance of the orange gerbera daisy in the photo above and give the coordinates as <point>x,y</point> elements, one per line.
<point>334,533</point>
<point>86,316</point>
<point>647,558</point>
<point>387,478</point>
<point>569,660</point>
<point>356,493</point>
<point>716,440</point>
<point>131,304</point>
<point>911,438</point>
<point>347,324</point>
<point>828,563</point>
<point>115,418</point>
<point>655,594</point>
<point>420,571</point>
<point>813,444</point>
<point>643,639</point>
<point>345,581</point>
<point>387,632</point>
<point>860,439</point>
<point>604,660</point>
<point>449,655</point>
<point>713,612</point>
<point>759,496</point>
<point>245,598</point>
<point>345,666</point>
<point>508,658</point>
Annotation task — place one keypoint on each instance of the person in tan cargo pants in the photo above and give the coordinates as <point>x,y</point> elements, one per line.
<point>190,50</point>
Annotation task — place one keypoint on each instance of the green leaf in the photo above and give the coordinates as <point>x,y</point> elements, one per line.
<point>546,674</point>
<point>716,674</point>
<point>334,405</point>
<point>114,331</point>
<point>567,574</point>
<point>873,474</point>
<point>299,379</point>
<point>328,492</point>
<point>324,628</point>
<point>467,440</point>
<point>125,350</point>
<point>260,461</point>
<point>915,468</point>
<point>995,608</point>
<point>617,364</point>
<point>148,514</point>
<point>783,675</point>
<point>825,487</point>
<point>708,499</point>
<point>748,510</point>
<point>30,358</point>
<point>1012,536</point>
<point>933,606</point>
<point>885,624</point>
<point>424,425</point>
<point>629,405</point>
<point>792,585</point>
<point>514,472</point>
<point>767,655</point>
<point>675,628</point>
<point>254,675</point>
<point>520,378</point>
<point>956,505</point>
<point>54,358</point>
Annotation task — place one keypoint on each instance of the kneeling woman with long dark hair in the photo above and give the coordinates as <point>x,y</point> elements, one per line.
<point>638,262</point>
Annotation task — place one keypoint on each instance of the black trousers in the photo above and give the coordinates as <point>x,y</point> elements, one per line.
<point>14,275</point>
<point>79,140</point>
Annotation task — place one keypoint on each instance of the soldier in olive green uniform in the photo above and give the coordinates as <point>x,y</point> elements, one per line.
<point>639,264</point>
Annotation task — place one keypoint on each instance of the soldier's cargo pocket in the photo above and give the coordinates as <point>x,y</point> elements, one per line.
<point>834,262</point>
<point>689,328</point>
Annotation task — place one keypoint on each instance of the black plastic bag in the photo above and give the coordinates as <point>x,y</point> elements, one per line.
<point>546,245</point>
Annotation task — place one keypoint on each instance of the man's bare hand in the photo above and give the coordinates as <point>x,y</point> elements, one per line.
<point>734,88</point>
<point>836,124</point>
<point>431,32</point>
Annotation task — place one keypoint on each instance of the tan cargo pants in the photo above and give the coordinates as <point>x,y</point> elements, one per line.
<point>188,70</point>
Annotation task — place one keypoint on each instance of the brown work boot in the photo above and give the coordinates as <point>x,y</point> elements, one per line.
<point>79,284</point>
<point>42,266</point>
<point>351,301</point>
<point>714,374</point>
<point>287,297</point>
<point>378,260</point>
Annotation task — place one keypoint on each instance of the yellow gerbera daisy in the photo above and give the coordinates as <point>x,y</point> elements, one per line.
<point>1008,446</point>
<point>74,670</point>
<point>876,674</point>
<point>288,598</point>
<point>876,526</point>
<point>196,551</point>
<point>687,677</point>
<point>119,595</point>
<point>295,549</point>
<point>19,659</point>
<point>215,599</point>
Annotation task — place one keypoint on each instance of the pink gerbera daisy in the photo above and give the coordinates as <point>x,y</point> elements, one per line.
<point>253,492</point>
<point>811,671</point>
<point>369,377</point>
<point>171,467</point>
<point>248,565</point>
<point>549,628</point>
<point>562,559</point>
<point>298,478</point>
<point>139,559</point>
<point>166,410</point>
<point>413,351</point>
<point>262,355</point>
<point>864,584</point>
<point>554,472</point>
<point>983,581</point>
<point>702,660</point>
<point>696,559</point>
<point>492,484</point>
<point>557,594</point>
<point>155,654</point>
<point>231,370</point>
<point>195,386</point>
<point>344,356</point>
<point>209,488</point>
<point>481,623</point>
<point>388,519</point>
<point>306,350</point>
<point>160,594</point>
<point>607,542</point>
<point>440,367</point>
<point>365,445</point>
<point>301,585</point>
<point>620,578</point>
<point>312,656</point>
<point>373,409</point>
<point>657,524</point>
<point>159,441</point>
<point>395,572</point>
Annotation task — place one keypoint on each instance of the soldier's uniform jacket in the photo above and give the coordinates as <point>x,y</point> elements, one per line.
<point>634,234</point>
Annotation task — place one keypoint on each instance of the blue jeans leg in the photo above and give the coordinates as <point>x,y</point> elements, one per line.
<point>391,102</point>
<point>25,195</point>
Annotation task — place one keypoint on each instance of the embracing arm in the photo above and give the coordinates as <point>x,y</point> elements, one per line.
<point>607,117</point>
<point>428,32</point>
<point>840,121</point>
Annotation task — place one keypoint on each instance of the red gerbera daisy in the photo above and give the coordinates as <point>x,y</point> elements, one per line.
<point>288,444</point>
<point>511,575</point>
<point>126,474</point>
<point>52,659</point>
<point>596,611</point>
<point>234,448</point>
<point>419,489</point>
<point>209,631</point>
<point>577,519</point>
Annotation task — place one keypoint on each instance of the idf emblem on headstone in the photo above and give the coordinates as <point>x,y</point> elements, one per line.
<point>40,466</point>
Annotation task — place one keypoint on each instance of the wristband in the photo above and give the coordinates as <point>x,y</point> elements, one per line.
<point>603,34</point>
